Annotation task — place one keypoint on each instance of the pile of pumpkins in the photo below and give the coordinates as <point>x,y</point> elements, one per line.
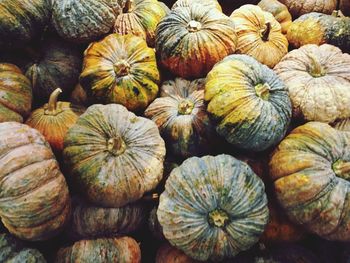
<point>213,129</point>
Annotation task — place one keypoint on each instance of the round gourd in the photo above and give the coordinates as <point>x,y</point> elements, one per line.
<point>301,7</point>
<point>16,94</point>
<point>34,200</point>
<point>342,125</point>
<point>259,35</point>
<point>113,155</point>
<point>248,102</point>
<point>121,69</point>
<point>190,40</point>
<point>317,79</point>
<point>169,254</point>
<point>208,3</point>
<point>213,207</point>
<point>310,169</point>
<point>180,114</point>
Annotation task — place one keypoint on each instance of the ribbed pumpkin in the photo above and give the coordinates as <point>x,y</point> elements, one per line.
<point>114,156</point>
<point>34,200</point>
<point>180,114</point>
<point>190,40</point>
<point>121,69</point>
<point>208,3</point>
<point>124,249</point>
<point>342,125</point>
<point>16,94</point>
<point>169,254</point>
<point>310,169</point>
<point>140,18</point>
<point>259,35</point>
<point>301,7</point>
<point>248,102</point>
<point>318,81</point>
<point>213,207</point>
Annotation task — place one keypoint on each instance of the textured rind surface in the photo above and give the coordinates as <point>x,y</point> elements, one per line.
<point>169,254</point>
<point>15,94</point>
<point>114,180</point>
<point>305,183</point>
<point>135,90</point>
<point>201,185</point>
<point>243,118</point>
<point>325,98</point>
<point>301,7</point>
<point>34,198</point>
<point>193,54</point>
<point>342,125</point>
<point>208,3</point>
<point>123,250</point>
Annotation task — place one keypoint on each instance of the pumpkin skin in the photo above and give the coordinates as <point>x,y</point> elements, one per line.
<point>310,170</point>
<point>124,249</point>
<point>114,156</point>
<point>342,125</point>
<point>34,201</point>
<point>253,124</point>
<point>16,94</point>
<point>301,7</point>
<point>79,97</point>
<point>168,254</point>
<point>208,3</point>
<point>121,69</point>
<point>259,35</point>
<point>190,40</point>
<point>318,80</point>
<point>213,222</point>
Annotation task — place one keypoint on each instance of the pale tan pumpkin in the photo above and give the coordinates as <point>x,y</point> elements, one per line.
<point>301,7</point>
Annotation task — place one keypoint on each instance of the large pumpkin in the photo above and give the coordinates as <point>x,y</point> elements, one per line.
<point>114,156</point>
<point>213,207</point>
<point>169,254</point>
<point>34,201</point>
<point>209,3</point>
<point>191,39</point>
<point>310,169</point>
<point>301,7</point>
<point>16,94</point>
<point>318,82</point>
<point>248,102</point>
<point>121,69</point>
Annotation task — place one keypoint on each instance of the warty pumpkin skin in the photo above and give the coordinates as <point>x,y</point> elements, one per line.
<point>113,155</point>
<point>213,207</point>
<point>301,7</point>
<point>318,82</point>
<point>190,40</point>
<point>169,254</point>
<point>208,3</point>
<point>121,69</point>
<point>311,170</point>
<point>259,35</point>
<point>248,102</point>
<point>16,94</point>
<point>34,199</point>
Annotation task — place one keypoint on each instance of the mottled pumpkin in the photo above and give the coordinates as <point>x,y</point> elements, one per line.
<point>15,94</point>
<point>123,249</point>
<point>248,102</point>
<point>113,155</point>
<point>301,7</point>
<point>121,69</point>
<point>208,3</point>
<point>342,125</point>
<point>34,199</point>
<point>191,39</point>
<point>169,254</point>
<point>318,82</point>
<point>259,35</point>
<point>310,169</point>
<point>213,207</point>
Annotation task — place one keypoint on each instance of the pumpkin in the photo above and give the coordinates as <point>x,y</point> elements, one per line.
<point>248,102</point>
<point>190,40</point>
<point>154,225</point>
<point>113,155</point>
<point>140,18</point>
<point>318,81</point>
<point>123,249</point>
<point>121,69</point>
<point>180,114</point>
<point>310,169</point>
<point>279,11</point>
<point>34,200</point>
<point>168,254</point>
<point>54,119</point>
<point>208,3</point>
<point>259,35</point>
<point>16,94</point>
<point>213,207</point>
<point>301,7</point>
<point>317,28</point>
<point>342,125</point>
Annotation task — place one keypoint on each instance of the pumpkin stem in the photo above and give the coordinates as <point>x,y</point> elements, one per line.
<point>194,26</point>
<point>116,145</point>
<point>218,218</point>
<point>121,68</point>
<point>52,104</point>
<point>316,70</point>
<point>129,6</point>
<point>263,90</point>
<point>342,169</point>
<point>266,32</point>
<point>185,107</point>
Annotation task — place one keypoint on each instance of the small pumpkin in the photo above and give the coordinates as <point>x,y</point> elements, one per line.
<point>169,254</point>
<point>259,35</point>
<point>34,200</point>
<point>248,102</point>
<point>301,7</point>
<point>16,94</point>
<point>191,39</point>
<point>121,69</point>
<point>342,125</point>
<point>318,81</point>
<point>310,169</point>
<point>208,3</point>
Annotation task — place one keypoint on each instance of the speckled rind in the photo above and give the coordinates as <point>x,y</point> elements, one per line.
<point>301,7</point>
<point>208,3</point>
